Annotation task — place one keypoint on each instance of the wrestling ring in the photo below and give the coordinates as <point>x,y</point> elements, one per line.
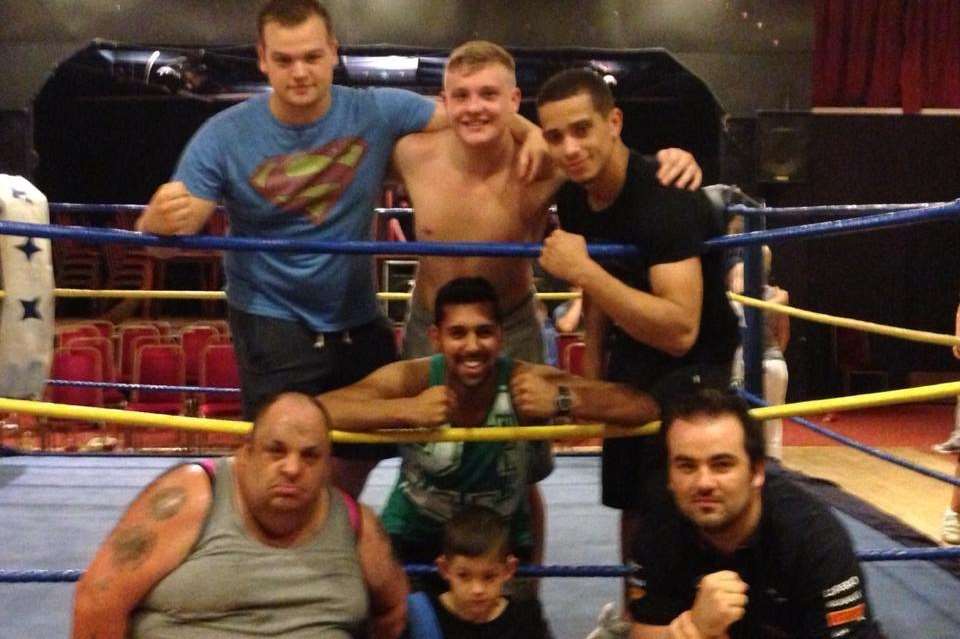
<point>84,494</point>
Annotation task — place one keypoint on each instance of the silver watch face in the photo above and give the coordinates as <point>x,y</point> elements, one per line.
<point>563,401</point>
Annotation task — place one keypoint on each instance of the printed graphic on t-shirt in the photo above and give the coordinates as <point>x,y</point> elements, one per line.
<point>310,182</point>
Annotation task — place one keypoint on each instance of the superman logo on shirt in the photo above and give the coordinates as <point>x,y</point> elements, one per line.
<point>310,182</point>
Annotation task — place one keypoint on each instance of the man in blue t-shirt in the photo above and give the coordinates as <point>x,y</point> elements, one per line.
<point>305,161</point>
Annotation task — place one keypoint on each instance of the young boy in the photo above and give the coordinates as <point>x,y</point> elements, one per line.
<point>476,563</point>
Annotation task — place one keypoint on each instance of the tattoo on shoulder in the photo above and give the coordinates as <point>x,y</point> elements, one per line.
<point>167,502</point>
<point>132,545</point>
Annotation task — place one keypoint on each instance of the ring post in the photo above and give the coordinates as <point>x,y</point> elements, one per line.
<point>753,287</point>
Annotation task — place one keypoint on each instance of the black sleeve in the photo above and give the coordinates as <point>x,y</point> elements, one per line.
<point>679,227</point>
<point>658,594</point>
<point>831,588</point>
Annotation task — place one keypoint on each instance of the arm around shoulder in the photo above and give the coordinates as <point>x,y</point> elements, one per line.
<point>386,582</point>
<point>152,538</point>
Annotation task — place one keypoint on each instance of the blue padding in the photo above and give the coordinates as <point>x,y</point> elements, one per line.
<point>421,619</point>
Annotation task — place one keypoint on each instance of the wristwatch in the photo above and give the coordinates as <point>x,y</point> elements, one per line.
<point>563,403</point>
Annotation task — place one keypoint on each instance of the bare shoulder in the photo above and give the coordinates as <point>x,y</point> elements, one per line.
<point>152,537</point>
<point>178,499</point>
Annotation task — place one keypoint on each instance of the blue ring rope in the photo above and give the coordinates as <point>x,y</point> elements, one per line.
<point>483,249</point>
<point>773,211</point>
<point>111,209</point>
<point>603,571</point>
<point>852,443</point>
<point>217,242</point>
<point>838,227</point>
<point>150,388</point>
<point>837,210</point>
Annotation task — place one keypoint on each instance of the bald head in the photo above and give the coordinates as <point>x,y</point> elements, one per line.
<point>291,408</point>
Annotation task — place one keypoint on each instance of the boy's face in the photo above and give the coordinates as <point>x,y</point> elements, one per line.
<point>476,583</point>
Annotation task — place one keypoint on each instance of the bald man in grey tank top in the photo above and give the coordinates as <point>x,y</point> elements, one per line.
<point>259,544</point>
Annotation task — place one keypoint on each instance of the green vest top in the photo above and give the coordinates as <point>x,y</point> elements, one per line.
<point>438,479</point>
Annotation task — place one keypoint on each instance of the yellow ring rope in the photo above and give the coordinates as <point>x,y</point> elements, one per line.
<point>503,433</point>
<point>220,295</point>
<point>845,322</point>
<point>154,420</point>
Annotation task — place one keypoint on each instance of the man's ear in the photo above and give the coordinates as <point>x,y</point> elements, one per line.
<point>511,564</point>
<point>261,58</point>
<point>515,98</point>
<point>443,566</point>
<point>434,334</point>
<point>615,121</point>
<point>759,474</point>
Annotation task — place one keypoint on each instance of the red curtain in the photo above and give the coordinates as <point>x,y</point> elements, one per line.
<point>887,53</point>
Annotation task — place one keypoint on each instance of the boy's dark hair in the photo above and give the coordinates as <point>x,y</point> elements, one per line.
<point>290,13</point>
<point>571,82</point>
<point>476,531</point>
<point>465,290</point>
<point>713,403</point>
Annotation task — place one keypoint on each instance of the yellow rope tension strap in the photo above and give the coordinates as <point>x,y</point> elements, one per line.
<point>220,295</point>
<point>846,322</point>
<point>154,420</point>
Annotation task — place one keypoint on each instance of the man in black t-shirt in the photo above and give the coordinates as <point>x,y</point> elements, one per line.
<point>741,553</point>
<point>661,321</point>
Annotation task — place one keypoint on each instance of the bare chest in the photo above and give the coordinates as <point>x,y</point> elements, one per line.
<point>450,208</point>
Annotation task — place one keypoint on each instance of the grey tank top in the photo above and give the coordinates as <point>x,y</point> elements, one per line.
<point>232,585</point>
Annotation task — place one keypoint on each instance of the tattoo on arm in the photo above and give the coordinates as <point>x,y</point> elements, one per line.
<point>132,545</point>
<point>167,502</point>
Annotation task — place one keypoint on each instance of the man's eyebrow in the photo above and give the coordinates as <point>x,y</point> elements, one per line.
<point>724,457</point>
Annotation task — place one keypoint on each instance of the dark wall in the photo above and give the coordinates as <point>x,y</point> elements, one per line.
<point>748,66</point>
<point>909,276</point>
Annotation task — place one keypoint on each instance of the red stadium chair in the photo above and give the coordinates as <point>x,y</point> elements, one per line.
<point>108,373</point>
<point>193,339</point>
<point>161,364</point>
<point>74,363</point>
<point>573,358</point>
<point>218,368</point>
<point>564,340</point>
<point>125,354</point>
<point>158,364</point>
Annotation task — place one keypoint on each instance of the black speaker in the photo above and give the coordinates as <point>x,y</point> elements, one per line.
<point>784,139</point>
<point>16,142</point>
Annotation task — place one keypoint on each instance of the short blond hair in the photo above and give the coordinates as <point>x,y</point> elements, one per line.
<point>477,53</point>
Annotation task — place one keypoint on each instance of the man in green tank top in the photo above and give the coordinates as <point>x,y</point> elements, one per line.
<point>468,384</point>
<point>259,544</point>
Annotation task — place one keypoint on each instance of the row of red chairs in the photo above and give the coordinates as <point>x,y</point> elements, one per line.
<point>160,364</point>
<point>118,351</point>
